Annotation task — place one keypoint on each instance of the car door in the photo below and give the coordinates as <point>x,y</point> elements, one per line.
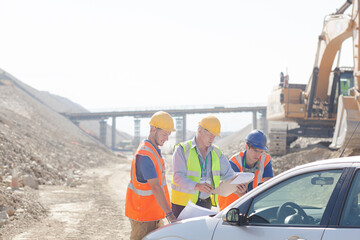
<point>346,224</point>
<point>295,208</point>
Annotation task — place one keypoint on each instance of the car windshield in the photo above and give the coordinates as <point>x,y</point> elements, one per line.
<point>299,200</point>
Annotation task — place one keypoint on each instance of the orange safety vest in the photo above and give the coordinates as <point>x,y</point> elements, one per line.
<point>237,159</point>
<point>140,204</point>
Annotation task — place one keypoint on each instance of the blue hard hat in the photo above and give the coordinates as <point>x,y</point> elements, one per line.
<point>257,138</point>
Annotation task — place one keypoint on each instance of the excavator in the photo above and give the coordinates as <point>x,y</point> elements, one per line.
<point>329,105</point>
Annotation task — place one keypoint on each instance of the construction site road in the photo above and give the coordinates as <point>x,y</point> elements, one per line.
<point>93,210</point>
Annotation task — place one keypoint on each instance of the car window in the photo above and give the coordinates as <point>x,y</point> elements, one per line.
<point>351,214</point>
<point>298,200</point>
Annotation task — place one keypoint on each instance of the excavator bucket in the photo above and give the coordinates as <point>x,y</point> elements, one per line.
<point>347,128</point>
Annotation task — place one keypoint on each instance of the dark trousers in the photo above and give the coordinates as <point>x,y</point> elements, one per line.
<point>177,209</point>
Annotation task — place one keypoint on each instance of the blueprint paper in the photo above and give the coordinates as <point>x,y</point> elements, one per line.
<point>192,210</point>
<point>228,187</point>
<point>243,177</point>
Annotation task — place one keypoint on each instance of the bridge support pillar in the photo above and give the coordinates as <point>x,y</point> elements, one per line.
<point>136,140</point>
<point>263,123</point>
<point>180,126</point>
<point>103,126</point>
<point>113,133</point>
<point>254,122</point>
<point>184,128</point>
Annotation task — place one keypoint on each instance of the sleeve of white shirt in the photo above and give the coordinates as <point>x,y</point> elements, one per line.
<point>226,171</point>
<point>179,170</point>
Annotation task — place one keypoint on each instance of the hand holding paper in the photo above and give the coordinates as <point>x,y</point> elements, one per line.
<point>204,187</point>
<point>241,189</point>
<point>243,177</point>
<point>228,187</point>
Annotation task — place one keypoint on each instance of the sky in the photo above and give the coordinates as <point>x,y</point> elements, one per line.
<point>116,55</point>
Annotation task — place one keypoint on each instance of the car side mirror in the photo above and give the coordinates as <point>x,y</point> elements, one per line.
<point>233,216</point>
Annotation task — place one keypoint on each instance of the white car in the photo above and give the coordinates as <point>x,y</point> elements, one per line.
<point>319,200</point>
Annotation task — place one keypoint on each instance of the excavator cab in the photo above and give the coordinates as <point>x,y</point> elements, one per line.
<point>347,129</point>
<point>346,82</point>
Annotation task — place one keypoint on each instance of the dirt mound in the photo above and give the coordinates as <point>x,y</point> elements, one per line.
<point>63,105</point>
<point>313,151</point>
<point>44,147</point>
<point>235,142</point>
<point>306,150</point>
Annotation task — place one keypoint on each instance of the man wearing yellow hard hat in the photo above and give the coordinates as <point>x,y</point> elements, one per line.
<point>147,197</point>
<point>198,167</point>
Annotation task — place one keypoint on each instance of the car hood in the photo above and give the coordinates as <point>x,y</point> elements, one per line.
<point>193,228</point>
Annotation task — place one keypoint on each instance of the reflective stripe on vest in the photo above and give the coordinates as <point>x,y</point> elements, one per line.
<point>180,189</point>
<point>140,204</point>
<point>238,160</point>
<point>181,196</point>
<point>215,168</point>
<point>142,192</point>
<point>192,173</point>
<point>162,169</point>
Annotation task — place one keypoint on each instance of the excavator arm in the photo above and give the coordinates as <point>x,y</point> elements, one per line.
<point>337,28</point>
<point>313,106</point>
<point>347,130</point>
<point>356,49</point>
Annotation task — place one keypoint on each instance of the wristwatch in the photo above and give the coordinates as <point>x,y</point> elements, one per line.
<point>169,214</point>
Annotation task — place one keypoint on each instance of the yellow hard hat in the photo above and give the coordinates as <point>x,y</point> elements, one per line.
<point>162,120</point>
<point>212,124</point>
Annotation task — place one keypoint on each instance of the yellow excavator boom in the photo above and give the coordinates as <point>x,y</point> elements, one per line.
<point>324,107</point>
<point>347,130</point>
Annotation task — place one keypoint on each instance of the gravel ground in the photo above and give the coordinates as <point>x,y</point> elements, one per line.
<point>40,143</point>
<point>92,210</point>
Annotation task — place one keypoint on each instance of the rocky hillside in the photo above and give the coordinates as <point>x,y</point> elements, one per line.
<point>38,145</point>
<point>63,105</point>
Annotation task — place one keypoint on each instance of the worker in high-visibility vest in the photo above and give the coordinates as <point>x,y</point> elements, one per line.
<point>147,197</point>
<point>198,167</point>
<point>253,159</point>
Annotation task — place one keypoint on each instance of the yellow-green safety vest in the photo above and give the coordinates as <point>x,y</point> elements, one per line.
<point>181,196</point>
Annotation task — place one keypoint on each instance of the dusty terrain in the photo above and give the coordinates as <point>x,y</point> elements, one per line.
<point>80,184</point>
<point>40,144</point>
<point>92,210</point>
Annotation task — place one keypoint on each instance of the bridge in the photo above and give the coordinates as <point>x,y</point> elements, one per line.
<point>178,114</point>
